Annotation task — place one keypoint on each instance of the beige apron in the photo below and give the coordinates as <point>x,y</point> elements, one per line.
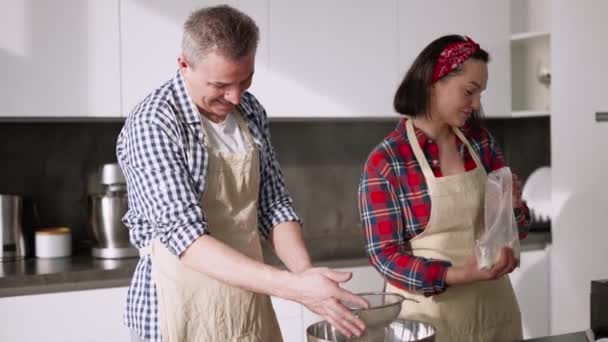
<point>194,307</point>
<point>482,311</point>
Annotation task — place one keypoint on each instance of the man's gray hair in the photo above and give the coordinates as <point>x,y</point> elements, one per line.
<point>230,32</point>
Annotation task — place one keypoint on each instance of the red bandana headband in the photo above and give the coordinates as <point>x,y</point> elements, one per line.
<point>453,56</point>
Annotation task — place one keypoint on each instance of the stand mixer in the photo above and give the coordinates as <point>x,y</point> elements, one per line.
<point>107,207</point>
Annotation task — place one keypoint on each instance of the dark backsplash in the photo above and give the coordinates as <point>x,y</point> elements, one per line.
<point>526,143</point>
<point>49,163</point>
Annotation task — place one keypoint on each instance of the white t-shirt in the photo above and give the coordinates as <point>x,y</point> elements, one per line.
<point>225,136</point>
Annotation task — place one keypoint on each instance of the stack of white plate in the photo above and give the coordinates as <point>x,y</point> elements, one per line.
<point>537,194</point>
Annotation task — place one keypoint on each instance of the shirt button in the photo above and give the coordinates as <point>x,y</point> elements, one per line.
<point>435,162</point>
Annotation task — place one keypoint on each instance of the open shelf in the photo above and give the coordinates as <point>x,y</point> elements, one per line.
<point>529,113</point>
<point>530,58</point>
<point>530,74</point>
<point>524,36</point>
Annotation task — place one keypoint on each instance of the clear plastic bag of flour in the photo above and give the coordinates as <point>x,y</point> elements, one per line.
<point>499,220</point>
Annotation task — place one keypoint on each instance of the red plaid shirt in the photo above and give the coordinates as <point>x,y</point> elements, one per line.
<point>395,206</point>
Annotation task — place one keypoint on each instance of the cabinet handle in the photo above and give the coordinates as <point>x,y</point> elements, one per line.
<point>601,116</point>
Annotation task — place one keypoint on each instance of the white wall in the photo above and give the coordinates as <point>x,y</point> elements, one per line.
<point>579,160</point>
<point>530,15</point>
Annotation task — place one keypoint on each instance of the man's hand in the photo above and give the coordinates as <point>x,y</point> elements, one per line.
<point>318,289</point>
<point>470,273</point>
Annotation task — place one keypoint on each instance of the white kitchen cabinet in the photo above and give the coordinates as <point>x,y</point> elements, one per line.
<point>151,33</point>
<point>79,316</point>
<point>579,162</point>
<point>364,279</point>
<point>59,58</point>
<point>315,60</point>
<point>531,284</point>
<point>530,57</point>
<point>332,59</point>
<point>318,59</point>
<point>289,315</point>
<point>486,22</point>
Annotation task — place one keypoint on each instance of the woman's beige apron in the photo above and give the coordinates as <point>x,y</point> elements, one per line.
<point>194,307</point>
<point>482,311</point>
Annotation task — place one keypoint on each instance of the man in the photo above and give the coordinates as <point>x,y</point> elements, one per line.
<point>203,183</point>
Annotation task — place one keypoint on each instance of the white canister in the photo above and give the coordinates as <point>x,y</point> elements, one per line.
<point>53,242</point>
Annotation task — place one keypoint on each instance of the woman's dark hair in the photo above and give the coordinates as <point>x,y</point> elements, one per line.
<point>413,95</point>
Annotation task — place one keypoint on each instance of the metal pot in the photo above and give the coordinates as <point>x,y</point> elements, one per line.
<point>12,241</point>
<point>400,330</point>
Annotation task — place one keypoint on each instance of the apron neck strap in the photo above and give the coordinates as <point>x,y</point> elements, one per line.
<point>424,164</point>
<point>466,142</point>
<point>243,125</point>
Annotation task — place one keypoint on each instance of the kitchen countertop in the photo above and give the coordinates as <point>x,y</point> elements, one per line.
<point>80,272</point>
<point>580,336</point>
<point>83,272</point>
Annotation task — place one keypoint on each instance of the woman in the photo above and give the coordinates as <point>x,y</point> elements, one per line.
<point>421,199</point>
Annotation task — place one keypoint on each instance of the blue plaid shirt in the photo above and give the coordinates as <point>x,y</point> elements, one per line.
<point>160,150</point>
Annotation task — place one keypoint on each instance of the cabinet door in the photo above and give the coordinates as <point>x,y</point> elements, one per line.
<point>332,59</point>
<point>487,22</point>
<point>91,316</point>
<point>579,160</point>
<point>151,33</point>
<point>365,279</point>
<point>289,315</point>
<point>59,58</point>
<point>531,285</point>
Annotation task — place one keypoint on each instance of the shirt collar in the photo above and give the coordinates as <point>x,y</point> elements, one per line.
<point>423,140</point>
<point>183,101</point>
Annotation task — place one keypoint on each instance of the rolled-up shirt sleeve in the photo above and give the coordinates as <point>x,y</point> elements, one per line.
<point>275,203</point>
<point>162,195</point>
<point>383,218</point>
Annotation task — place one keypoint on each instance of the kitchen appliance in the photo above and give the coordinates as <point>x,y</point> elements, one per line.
<point>12,241</point>
<point>106,211</point>
<point>599,308</point>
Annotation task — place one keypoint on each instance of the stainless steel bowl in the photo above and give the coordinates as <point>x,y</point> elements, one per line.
<point>400,330</point>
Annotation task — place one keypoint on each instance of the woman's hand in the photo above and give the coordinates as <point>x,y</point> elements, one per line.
<point>318,289</point>
<point>517,201</point>
<point>469,273</point>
